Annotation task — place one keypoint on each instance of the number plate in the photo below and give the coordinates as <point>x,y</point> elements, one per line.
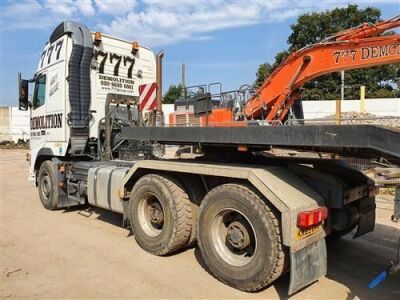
<point>303,233</point>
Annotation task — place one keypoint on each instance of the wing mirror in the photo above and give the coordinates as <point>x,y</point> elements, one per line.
<point>23,87</point>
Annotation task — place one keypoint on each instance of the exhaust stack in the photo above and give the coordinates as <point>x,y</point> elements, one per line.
<point>159,112</point>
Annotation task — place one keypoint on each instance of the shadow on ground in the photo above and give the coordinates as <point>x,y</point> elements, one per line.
<point>101,214</point>
<point>355,263</point>
<point>352,263</point>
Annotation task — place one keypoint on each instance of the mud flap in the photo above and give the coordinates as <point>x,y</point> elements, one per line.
<point>366,222</point>
<point>63,199</point>
<point>307,265</point>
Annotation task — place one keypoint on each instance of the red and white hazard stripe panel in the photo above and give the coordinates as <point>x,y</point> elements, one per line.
<point>147,97</point>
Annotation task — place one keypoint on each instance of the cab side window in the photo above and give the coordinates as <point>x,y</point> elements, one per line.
<point>39,94</point>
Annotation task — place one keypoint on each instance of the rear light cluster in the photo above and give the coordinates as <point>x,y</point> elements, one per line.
<point>306,219</point>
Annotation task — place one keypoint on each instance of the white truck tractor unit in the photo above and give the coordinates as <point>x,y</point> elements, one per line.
<point>253,216</point>
<point>75,73</point>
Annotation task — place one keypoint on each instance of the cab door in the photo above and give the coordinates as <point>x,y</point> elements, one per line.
<point>38,115</point>
<point>49,100</point>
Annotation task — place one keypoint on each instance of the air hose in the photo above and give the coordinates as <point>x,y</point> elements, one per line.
<point>392,269</point>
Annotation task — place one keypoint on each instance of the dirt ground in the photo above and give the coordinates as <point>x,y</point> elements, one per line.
<point>85,253</point>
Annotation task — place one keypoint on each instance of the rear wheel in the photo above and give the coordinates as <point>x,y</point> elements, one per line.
<point>160,214</point>
<point>47,185</point>
<point>239,237</point>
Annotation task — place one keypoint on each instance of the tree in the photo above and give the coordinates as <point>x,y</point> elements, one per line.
<point>311,28</point>
<point>173,93</point>
<point>264,70</point>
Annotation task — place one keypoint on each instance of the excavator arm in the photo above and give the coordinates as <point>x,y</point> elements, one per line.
<point>358,47</point>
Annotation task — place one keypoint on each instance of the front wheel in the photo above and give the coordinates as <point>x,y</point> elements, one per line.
<point>47,185</point>
<point>239,238</point>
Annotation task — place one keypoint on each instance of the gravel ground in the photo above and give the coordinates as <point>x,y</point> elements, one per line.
<point>85,253</point>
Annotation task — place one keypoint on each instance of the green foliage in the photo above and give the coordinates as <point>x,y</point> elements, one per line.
<point>280,57</point>
<point>173,93</point>
<point>314,27</point>
<point>311,28</point>
<point>264,70</point>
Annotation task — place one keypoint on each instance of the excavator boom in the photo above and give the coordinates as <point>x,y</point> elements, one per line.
<point>359,47</point>
<point>367,30</point>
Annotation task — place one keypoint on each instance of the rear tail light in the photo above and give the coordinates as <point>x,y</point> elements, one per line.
<point>306,219</point>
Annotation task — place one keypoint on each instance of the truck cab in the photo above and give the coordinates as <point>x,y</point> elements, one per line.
<point>76,71</point>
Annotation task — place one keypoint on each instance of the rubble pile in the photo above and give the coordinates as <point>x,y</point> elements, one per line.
<point>364,118</point>
<point>20,144</point>
<point>387,176</point>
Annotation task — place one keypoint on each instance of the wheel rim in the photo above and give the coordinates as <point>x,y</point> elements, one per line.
<point>151,215</point>
<point>233,237</point>
<point>46,186</point>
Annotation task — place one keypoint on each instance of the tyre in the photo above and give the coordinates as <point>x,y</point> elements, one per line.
<point>160,214</point>
<point>196,192</point>
<point>48,185</point>
<point>239,238</point>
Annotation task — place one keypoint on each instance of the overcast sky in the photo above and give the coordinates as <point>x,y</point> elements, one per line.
<point>217,40</point>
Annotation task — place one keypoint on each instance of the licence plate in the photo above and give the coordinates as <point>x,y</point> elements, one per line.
<point>303,233</point>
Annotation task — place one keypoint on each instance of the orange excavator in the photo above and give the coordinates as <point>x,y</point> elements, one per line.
<point>359,47</point>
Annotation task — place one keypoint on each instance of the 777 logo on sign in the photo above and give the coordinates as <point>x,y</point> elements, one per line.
<point>345,55</point>
<point>371,52</point>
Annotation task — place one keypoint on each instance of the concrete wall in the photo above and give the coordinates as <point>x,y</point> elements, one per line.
<point>321,109</point>
<point>379,107</point>
<point>14,124</point>
<point>20,124</point>
<point>5,124</point>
